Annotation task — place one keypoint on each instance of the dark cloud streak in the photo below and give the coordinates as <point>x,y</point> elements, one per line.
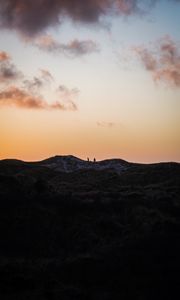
<point>73,49</point>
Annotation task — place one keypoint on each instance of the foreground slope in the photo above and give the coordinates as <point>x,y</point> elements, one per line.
<point>89,233</point>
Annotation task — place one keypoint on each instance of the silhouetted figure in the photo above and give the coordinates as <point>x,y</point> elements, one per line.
<point>94,160</point>
<point>87,158</point>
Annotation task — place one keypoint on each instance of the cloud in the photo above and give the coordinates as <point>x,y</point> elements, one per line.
<point>46,75</point>
<point>105,124</point>
<point>28,92</point>
<point>14,96</point>
<point>33,17</point>
<point>69,105</point>
<point>68,96</point>
<point>4,56</point>
<point>147,58</point>
<point>66,92</point>
<point>38,82</point>
<point>127,7</point>
<point>74,48</point>
<point>163,61</point>
<point>33,85</point>
<point>8,71</point>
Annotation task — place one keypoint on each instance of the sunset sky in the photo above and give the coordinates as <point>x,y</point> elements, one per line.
<point>90,78</point>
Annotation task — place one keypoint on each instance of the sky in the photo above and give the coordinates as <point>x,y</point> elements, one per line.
<point>94,78</point>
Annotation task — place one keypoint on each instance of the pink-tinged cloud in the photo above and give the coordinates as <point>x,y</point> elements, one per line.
<point>74,48</point>
<point>32,17</point>
<point>14,96</point>
<point>4,56</point>
<point>28,95</point>
<point>163,62</point>
<point>146,57</point>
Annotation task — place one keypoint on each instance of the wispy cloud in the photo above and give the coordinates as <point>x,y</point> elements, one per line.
<point>34,84</point>
<point>33,17</point>
<point>38,82</point>
<point>66,92</point>
<point>68,96</point>
<point>68,105</point>
<point>74,48</point>
<point>14,96</point>
<point>46,75</point>
<point>8,71</point>
<point>106,124</point>
<point>162,61</point>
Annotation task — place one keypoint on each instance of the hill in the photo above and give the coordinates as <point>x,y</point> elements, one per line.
<point>71,229</point>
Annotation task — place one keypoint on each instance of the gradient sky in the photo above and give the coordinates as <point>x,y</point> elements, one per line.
<point>97,80</point>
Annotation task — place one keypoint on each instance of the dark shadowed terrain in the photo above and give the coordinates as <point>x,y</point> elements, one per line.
<point>71,229</point>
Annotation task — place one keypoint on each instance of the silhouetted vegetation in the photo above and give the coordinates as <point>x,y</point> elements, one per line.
<point>89,234</point>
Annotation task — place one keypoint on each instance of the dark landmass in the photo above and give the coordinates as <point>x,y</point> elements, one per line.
<point>72,229</point>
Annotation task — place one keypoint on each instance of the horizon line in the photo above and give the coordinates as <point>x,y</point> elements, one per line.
<point>90,160</point>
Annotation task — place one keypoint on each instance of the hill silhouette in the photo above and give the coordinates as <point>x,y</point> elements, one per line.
<point>73,229</point>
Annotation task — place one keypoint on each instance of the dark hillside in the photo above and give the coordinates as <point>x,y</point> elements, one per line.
<point>89,234</point>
